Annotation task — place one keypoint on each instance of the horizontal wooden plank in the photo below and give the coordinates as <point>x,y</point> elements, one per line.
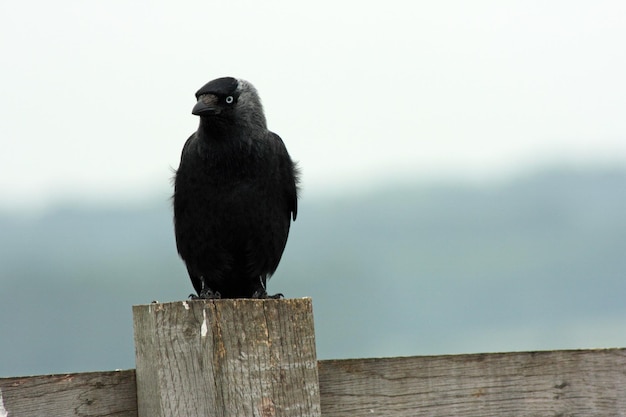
<point>93,394</point>
<point>550,383</point>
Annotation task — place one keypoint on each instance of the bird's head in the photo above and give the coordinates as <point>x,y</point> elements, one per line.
<point>229,100</point>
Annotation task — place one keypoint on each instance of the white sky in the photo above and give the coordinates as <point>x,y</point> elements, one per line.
<point>96,96</point>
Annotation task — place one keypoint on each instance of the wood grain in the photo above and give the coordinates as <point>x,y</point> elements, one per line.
<point>70,395</point>
<point>226,358</point>
<point>551,383</point>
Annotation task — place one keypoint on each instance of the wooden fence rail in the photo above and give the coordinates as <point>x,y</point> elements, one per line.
<point>272,377</point>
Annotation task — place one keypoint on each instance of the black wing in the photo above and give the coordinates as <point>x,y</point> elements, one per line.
<point>289,173</point>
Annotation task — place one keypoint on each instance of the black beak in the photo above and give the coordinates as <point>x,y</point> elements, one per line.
<point>206,105</point>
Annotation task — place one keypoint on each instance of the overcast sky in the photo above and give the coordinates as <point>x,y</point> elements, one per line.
<point>96,96</point>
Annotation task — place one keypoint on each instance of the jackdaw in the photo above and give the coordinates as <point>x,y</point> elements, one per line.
<point>235,193</point>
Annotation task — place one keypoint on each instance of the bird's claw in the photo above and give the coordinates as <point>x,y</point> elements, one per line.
<point>206,294</point>
<point>263,295</point>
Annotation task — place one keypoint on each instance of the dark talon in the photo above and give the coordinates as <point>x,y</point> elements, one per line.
<point>262,295</point>
<point>277,296</point>
<point>206,294</point>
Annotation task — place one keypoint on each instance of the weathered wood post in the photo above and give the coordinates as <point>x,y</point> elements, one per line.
<point>226,358</point>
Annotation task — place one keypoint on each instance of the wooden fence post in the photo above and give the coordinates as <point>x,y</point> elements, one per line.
<point>226,358</point>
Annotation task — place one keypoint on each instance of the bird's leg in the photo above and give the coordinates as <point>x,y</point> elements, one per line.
<point>261,292</point>
<point>206,293</point>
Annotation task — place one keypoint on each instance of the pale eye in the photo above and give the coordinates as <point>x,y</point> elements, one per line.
<point>229,100</point>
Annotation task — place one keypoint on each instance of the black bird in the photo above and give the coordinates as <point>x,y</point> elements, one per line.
<point>235,193</point>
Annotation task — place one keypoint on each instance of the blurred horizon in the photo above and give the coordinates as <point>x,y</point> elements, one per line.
<point>139,197</point>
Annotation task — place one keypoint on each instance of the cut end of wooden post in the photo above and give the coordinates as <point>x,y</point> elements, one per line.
<point>229,357</point>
